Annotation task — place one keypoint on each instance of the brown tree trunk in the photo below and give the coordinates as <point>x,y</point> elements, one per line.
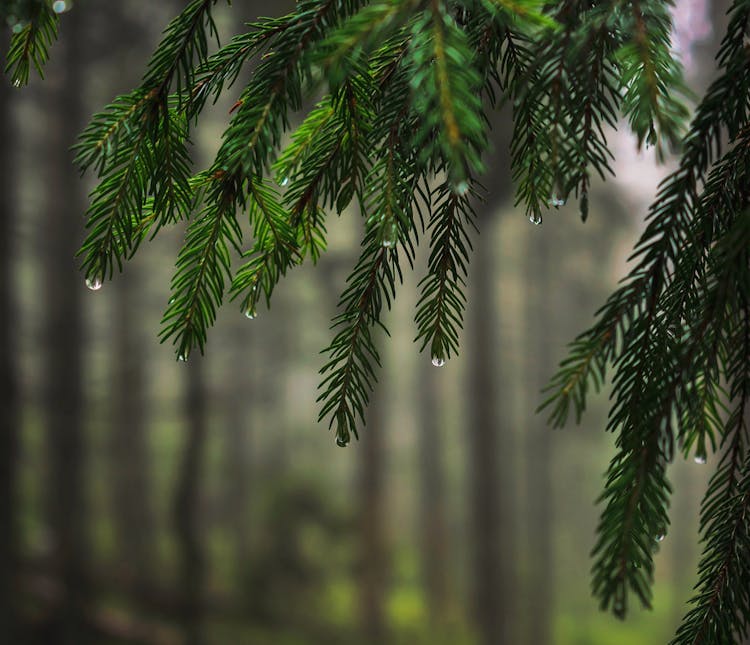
<point>192,573</point>
<point>371,504</point>
<point>434,534</point>
<point>9,417</point>
<point>63,290</point>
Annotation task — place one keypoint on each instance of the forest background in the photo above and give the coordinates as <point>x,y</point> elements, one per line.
<point>199,503</point>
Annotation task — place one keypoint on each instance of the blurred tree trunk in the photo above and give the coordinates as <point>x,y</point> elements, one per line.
<point>62,292</point>
<point>434,536</point>
<point>540,566</point>
<point>239,401</point>
<point>131,483</point>
<point>278,352</point>
<point>10,416</point>
<point>129,465</point>
<point>192,573</point>
<point>371,505</point>
<point>489,515</point>
<point>490,486</point>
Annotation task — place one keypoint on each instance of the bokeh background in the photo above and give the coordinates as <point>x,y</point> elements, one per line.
<point>154,502</point>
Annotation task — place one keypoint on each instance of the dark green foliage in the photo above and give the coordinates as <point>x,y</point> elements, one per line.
<point>674,334</point>
<point>33,24</point>
<point>441,304</point>
<point>400,92</point>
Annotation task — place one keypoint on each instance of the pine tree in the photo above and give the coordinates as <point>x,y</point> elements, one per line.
<point>399,130</point>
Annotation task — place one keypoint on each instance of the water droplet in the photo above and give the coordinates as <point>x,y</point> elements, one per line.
<point>699,459</point>
<point>59,6</point>
<point>556,200</point>
<point>94,283</point>
<point>250,313</point>
<point>172,301</point>
<point>535,219</point>
<point>182,357</point>
<point>438,361</point>
<point>342,436</point>
<point>17,29</point>
<point>461,188</point>
<point>16,83</point>
<point>389,235</point>
<point>284,181</point>
<point>660,537</point>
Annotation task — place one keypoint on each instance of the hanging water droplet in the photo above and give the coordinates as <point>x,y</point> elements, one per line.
<point>59,6</point>
<point>172,301</point>
<point>94,283</point>
<point>660,537</point>
<point>389,235</point>
<point>556,200</point>
<point>699,459</point>
<point>182,357</point>
<point>250,313</point>
<point>389,241</point>
<point>284,181</point>
<point>461,188</point>
<point>16,83</point>
<point>342,437</point>
<point>438,361</point>
<point>535,219</point>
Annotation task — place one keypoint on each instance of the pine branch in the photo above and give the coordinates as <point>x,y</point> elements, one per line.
<point>31,41</point>
<point>184,46</point>
<point>525,13</point>
<point>722,602</point>
<point>276,249</point>
<point>255,130</point>
<point>221,70</point>
<point>117,201</point>
<point>138,146</point>
<point>202,267</point>
<point>564,92</point>
<point>348,375</point>
<point>441,304</point>
<point>662,361</point>
<point>657,373</point>
<point>667,234</point>
<point>171,184</point>
<point>652,77</point>
<point>356,37</point>
<point>445,89</point>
